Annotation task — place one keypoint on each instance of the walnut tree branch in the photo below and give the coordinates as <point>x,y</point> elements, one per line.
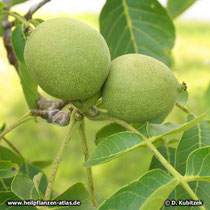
<point>29,14</point>
<point>54,116</point>
<point>72,126</point>
<point>10,52</point>
<point>34,8</point>
<point>48,104</point>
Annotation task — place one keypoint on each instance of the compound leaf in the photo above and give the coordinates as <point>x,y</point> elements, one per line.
<point>120,143</point>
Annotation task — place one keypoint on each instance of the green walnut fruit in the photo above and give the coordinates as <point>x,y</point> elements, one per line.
<point>139,88</point>
<point>67,58</point>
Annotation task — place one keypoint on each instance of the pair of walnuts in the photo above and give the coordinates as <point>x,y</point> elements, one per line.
<point>71,60</point>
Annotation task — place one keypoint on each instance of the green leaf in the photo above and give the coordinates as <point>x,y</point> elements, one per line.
<point>177,7</point>
<point>32,171</point>
<point>198,164</point>
<point>114,128</point>
<point>149,192</point>
<point>107,131</point>
<point>29,86</point>
<point>160,129</point>
<point>10,196</point>
<point>114,146</point>
<point>2,128</point>
<point>137,26</point>
<point>171,129</point>
<point>196,137</point>
<point>5,184</point>
<point>37,179</point>
<point>76,192</point>
<point>182,97</point>
<point>39,20</point>
<point>5,196</point>
<point>41,164</point>
<point>18,42</point>
<point>141,127</point>
<point>24,187</point>
<point>2,5</point>
<point>8,169</point>
<point>6,154</point>
<point>36,22</point>
<point>121,143</point>
<point>201,189</point>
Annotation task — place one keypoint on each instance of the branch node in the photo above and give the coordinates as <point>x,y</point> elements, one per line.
<point>56,116</point>
<point>48,104</point>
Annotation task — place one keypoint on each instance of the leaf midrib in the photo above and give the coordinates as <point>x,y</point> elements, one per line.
<point>127,15</point>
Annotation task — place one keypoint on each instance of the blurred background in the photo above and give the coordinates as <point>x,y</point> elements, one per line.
<point>40,141</point>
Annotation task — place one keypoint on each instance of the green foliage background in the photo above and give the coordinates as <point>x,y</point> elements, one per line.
<point>40,141</point>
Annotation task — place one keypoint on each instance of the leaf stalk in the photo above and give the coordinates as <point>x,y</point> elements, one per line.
<point>19,18</point>
<point>183,108</point>
<point>86,154</point>
<point>72,126</point>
